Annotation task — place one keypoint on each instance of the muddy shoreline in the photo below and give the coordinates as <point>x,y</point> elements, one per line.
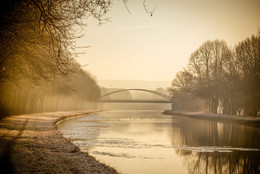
<point>31,143</point>
<point>250,121</point>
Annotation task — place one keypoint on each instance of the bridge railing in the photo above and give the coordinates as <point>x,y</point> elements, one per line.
<point>167,99</point>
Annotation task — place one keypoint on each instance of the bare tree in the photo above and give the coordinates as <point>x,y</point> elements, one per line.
<point>248,61</point>
<point>207,63</point>
<point>215,72</point>
<point>38,47</point>
<point>53,24</point>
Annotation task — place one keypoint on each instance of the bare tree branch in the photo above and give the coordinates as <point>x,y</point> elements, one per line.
<point>125,1</point>
<point>151,12</point>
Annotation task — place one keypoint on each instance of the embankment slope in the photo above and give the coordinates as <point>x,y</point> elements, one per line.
<point>31,144</point>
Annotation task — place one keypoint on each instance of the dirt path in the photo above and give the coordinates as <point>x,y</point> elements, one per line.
<point>31,144</point>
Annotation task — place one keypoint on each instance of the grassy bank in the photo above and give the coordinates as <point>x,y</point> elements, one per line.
<point>31,144</point>
<point>251,121</point>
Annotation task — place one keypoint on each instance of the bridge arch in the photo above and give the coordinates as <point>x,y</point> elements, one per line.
<point>144,90</point>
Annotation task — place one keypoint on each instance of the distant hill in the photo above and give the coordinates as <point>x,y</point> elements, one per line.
<point>152,85</point>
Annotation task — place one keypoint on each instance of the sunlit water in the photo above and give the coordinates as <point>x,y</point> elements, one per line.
<point>139,142</point>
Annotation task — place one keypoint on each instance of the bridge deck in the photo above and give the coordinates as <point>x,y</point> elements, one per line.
<point>135,101</point>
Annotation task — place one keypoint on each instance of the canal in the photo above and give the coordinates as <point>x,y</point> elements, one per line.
<point>138,142</point>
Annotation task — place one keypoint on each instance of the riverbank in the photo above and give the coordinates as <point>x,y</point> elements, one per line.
<point>251,121</point>
<point>31,144</point>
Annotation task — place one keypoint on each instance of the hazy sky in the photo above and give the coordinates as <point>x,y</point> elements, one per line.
<point>139,47</point>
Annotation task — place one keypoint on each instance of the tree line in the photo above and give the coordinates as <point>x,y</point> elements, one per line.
<point>220,76</point>
<point>38,69</point>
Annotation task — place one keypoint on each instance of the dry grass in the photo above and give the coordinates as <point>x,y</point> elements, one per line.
<point>31,144</point>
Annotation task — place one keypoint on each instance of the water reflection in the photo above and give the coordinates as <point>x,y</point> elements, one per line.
<point>224,148</point>
<point>217,162</point>
<point>195,132</point>
<point>149,142</point>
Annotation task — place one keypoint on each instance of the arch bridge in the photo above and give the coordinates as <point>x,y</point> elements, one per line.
<point>165,98</point>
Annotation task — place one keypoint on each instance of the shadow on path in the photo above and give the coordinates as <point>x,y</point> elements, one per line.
<point>6,164</point>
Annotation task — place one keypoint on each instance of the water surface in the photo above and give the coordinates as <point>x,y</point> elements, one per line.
<point>138,142</point>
